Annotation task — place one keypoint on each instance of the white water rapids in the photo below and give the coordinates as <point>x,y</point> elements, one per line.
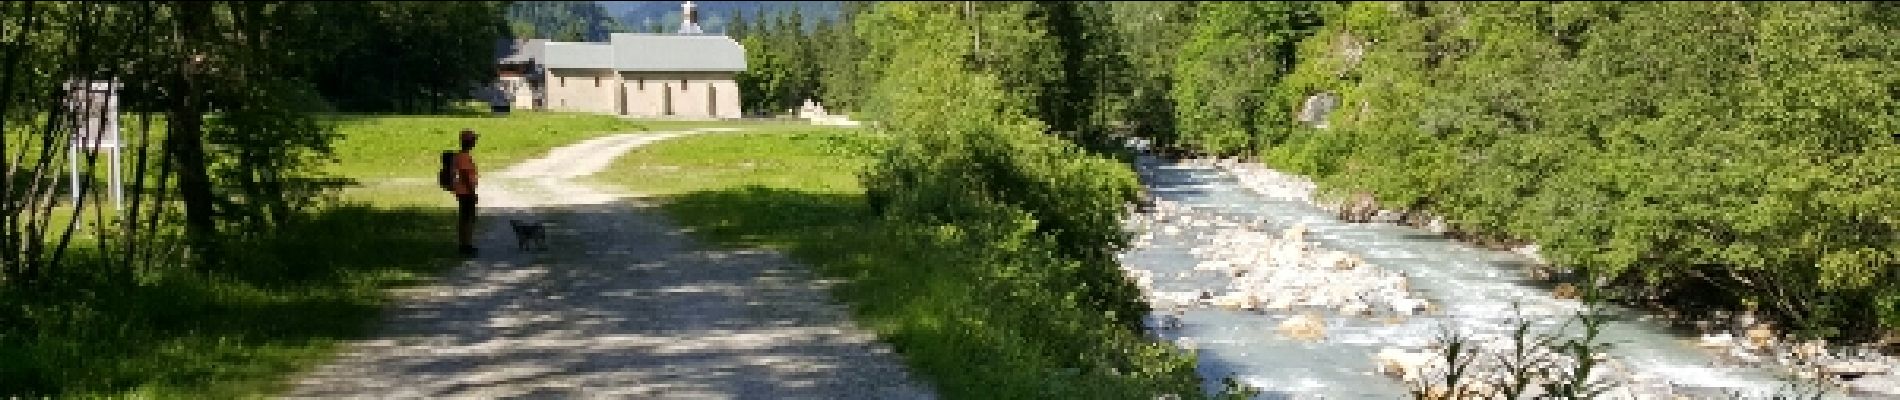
<point>1210,245</point>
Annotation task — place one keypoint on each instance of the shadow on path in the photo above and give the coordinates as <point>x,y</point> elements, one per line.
<point>624,304</point>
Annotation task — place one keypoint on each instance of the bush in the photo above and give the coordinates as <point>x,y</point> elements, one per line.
<point>1037,218</point>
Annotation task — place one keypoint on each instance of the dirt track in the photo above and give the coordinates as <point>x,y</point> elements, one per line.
<point>624,305</point>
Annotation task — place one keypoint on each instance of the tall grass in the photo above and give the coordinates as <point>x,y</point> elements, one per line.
<point>943,295</point>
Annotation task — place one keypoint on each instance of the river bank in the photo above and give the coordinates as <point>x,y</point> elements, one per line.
<point>1206,209</point>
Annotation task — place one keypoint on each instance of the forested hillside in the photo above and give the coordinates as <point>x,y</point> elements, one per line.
<point>1733,154</point>
<point>1746,150</point>
<point>714,16</point>
<point>568,21</point>
<point>789,59</point>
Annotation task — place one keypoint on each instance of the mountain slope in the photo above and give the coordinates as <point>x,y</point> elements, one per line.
<point>562,20</point>
<point>647,16</point>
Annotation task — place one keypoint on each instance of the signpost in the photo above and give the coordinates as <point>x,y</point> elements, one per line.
<point>94,106</point>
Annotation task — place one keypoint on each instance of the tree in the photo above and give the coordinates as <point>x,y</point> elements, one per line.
<point>236,85</point>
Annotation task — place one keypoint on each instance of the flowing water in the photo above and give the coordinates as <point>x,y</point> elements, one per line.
<point>1475,291</point>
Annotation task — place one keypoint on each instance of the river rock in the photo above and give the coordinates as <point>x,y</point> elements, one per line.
<point>1716,341</point>
<point>1854,368</point>
<point>1296,233</point>
<point>1811,350</point>
<point>1304,327</point>
<point>1566,291</point>
<point>1235,301</point>
<point>1400,363</point>
<point>1761,336</point>
<point>1214,265</point>
<point>1882,386</point>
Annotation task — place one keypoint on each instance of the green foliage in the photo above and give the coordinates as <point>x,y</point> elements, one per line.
<point>791,58</point>
<point>409,57</point>
<point>567,21</point>
<point>947,296</point>
<point>1229,67</point>
<point>1150,35</point>
<point>178,335</point>
<point>1671,145</point>
<point>971,162</point>
<point>97,329</point>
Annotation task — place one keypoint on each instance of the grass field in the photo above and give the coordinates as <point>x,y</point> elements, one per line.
<point>820,160</point>
<point>393,158</point>
<point>290,296</point>
<point>917,286</point>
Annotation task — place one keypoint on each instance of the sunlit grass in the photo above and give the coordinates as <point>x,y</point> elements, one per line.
<point>384,147</point>
<point>285,299</point>
<point>810,158</point>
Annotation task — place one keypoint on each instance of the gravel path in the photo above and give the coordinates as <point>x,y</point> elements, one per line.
<point>624,306</point>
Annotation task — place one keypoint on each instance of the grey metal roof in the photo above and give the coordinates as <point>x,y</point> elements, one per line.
<point>578,55</point>
<point>518,50</point>
<point>673,52</point>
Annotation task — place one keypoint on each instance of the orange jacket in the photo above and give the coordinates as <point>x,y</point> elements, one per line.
<point>465,175</point>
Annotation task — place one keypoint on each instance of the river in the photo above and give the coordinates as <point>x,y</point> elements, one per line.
<point>1474,291</point>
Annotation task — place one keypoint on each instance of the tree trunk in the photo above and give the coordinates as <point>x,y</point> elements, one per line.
<point>185,133</point>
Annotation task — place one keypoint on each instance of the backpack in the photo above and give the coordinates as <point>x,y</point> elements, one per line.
<point>446,176</point>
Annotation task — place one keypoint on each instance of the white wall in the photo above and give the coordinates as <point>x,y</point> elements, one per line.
<point>583,90</point>
<point>692,95</point>
<point>520,94</point>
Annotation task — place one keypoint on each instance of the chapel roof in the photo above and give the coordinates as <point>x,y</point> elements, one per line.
<point>649,52</point>
<point>519,50</point>
<point>579,55</point>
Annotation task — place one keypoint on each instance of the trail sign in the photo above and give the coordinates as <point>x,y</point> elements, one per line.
<point>94,110</point>
<point>94,106</point>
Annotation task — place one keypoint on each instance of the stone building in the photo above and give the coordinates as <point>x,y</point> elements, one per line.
<point>687,74</point>
<point>520,79</point>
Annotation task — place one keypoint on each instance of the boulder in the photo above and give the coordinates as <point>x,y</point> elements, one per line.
<point>1399,363</point>
<point>1304,327</point>
<point>1296,233</point>
<point>1854,369</point>
<point>1565,291</point>
<point>1761,336</point>
<point>1716,341</point>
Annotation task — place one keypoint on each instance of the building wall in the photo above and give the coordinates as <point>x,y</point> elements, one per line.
<point>519,94</point>
<point>646,97</point>
<point>583,90</point>
<point>728,97</point>
<point>681,94</point>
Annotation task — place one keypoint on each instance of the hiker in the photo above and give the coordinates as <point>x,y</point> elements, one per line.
<point>462,181</point>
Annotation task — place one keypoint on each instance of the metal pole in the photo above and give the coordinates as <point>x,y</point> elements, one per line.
<point>72,160</point>
<point>118,188</point>
<point>109,121</point>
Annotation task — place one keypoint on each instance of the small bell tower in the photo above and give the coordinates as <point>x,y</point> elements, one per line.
<point>689,25</point>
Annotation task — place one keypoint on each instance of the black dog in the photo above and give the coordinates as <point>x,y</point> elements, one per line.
<point>530,235</point>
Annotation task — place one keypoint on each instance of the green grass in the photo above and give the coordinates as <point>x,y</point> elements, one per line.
<point>813,159</point>
<point>232,334</point>
<point>384,147</point>
<point>925,289</point>
<point>289,296</point>
<point>749,125</point>
<point>393,158</point>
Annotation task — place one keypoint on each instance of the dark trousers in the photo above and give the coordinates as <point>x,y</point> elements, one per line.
<point>465,220</point>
